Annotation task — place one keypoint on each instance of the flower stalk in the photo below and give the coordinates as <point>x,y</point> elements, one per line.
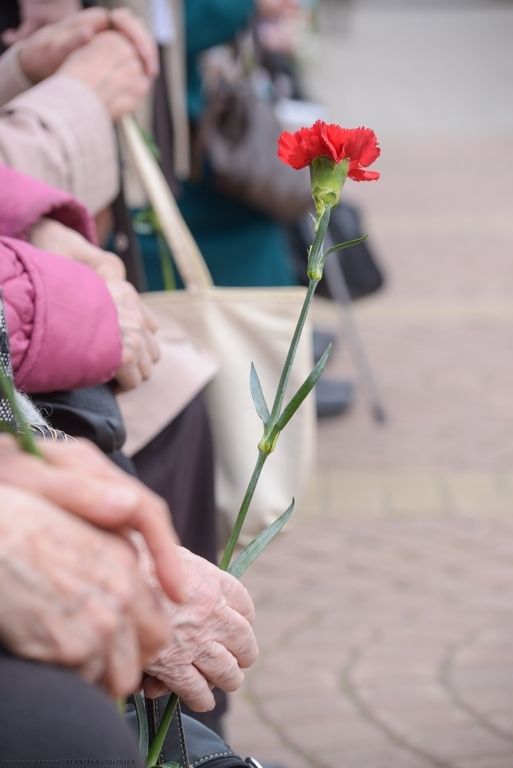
<point>23,433</point>
<point>333,154</point>
<point>243,511</point>
<point>158,742</point>
<point>272,430</point>
<point>273,426</point>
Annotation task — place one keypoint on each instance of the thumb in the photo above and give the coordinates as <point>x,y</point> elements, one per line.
<point>11,36</point>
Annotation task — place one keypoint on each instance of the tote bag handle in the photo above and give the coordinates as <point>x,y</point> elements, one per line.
<point>186,254</point>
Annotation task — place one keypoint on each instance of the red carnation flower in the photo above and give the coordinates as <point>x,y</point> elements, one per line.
<point>357,145</point>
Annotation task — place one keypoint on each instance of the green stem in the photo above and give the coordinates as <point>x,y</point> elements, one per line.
<point>160,736</point>
<point>168,275</point>
<point>23,434</point>
<point>291,354</point>
<point>313,258</point>
<point>315,255</point>
<point>239,522</point>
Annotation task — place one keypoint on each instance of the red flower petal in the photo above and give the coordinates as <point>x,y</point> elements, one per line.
<point>358,145</point>
<point>362,146</point>
<point>360,174</point>
<point>335,137</point>
<point>300,148</point>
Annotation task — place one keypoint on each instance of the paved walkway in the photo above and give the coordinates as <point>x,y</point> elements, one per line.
<point>385,615</point>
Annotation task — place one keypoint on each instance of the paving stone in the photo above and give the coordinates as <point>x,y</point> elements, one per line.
<point>490,761</point>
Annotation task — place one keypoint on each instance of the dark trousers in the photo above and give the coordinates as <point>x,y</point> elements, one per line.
<point>178,465</point>
<point>48,715</point>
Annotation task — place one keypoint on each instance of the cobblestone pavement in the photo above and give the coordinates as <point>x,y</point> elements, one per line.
<point>385,614</point>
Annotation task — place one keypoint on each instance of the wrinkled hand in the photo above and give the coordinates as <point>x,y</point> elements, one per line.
<point>210,637</point>
<point>52,236</point>
<point>138,327</point>
<point>42,53</point>
<point>35,14</point>
<point>77,478</point>
<point>72,595</point>
<point>277,8</point>
<point>112,68</point>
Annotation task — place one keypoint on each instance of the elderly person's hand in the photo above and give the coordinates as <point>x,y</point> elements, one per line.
<point>36,13</point>
<point>138,327</point>
<point>50,235</point>
<point>41,54</point>
<point>277,8</point>
<point>77,478</point>
<point>72,595</point>
<point>137,324</point>
<point>210,637</point>
<point>112,68</point>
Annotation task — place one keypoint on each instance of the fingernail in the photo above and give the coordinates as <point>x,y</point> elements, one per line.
<point>122,497</point>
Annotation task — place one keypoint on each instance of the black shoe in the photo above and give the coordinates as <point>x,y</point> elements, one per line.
<point>333,397</point>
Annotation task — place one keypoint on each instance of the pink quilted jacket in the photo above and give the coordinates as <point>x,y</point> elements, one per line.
<point>62,323</point>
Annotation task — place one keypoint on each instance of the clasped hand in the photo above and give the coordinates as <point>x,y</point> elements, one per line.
<point>76,591</point>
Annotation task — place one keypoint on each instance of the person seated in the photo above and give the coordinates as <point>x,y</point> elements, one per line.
<point>62,132</point>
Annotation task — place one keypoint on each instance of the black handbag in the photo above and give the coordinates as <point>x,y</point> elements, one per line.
<point>189,743</point>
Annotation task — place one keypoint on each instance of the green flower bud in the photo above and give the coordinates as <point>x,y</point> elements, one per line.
<point>327,179</point>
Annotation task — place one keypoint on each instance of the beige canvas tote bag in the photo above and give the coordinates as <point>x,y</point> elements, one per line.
<point>239,326</point>
<point>183,370</point>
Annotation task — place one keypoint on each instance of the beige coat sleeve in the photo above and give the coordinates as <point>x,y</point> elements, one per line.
<point>59,132</point>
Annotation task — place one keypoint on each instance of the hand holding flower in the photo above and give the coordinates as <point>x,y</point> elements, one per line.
<point>210,637</point>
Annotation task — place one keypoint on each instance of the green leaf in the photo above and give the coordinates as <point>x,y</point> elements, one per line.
<point>342,246</point>
<point>303,391</point>
<point>150,143</point>
<point>23,434</point>
<point>248,555</point>
<point>142,724</point>
<point>144,222</point>
<point>7,392</point>
<point>258,396</point>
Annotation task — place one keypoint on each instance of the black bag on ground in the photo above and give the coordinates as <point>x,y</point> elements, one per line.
<point>358,264</point>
